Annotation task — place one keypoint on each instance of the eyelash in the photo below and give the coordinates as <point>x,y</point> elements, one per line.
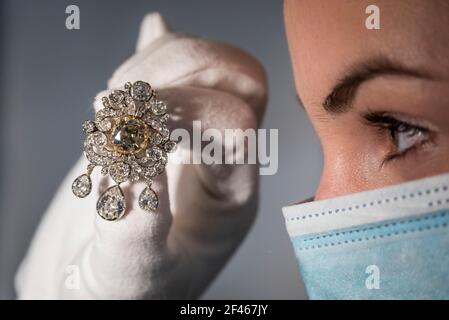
<point>394,126</point>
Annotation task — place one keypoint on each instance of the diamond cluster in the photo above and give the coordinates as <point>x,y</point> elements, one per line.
<point>129,140</point>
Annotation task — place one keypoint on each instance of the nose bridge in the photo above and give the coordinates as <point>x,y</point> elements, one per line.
<point>338,176</point>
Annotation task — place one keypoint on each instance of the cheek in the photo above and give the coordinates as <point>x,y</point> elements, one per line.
<point>353,156</point>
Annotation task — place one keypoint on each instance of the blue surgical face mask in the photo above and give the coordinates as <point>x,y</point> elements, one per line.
<point>389,243</point>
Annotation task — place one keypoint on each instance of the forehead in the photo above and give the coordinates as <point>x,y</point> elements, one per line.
<point>327,36</point>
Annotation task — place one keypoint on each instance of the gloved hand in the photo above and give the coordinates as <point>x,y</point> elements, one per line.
<point>204,210</point>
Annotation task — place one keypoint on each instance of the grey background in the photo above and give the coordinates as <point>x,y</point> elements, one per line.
<point>49,76</point>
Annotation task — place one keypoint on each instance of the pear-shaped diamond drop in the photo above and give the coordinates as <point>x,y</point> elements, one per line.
<point>81,186</point>
<point>111,204</point>
<point>148,200</point>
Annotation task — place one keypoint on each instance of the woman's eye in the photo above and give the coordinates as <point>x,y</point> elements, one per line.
<point>405,137</point>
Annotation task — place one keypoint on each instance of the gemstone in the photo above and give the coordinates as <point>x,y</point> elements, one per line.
<point>148,200</point>
<point>89,126</point>
<point>130,105</point>
<point>104,170</point>
<point>81,186</point>
<point>170,146</point>
<point>148,117</point>
<point>160,166</point>
<point>106,112</point>
<point>165,133</point>
<point>134,176</point>
<point>144,161</point>
<point>104,125</point>
<point>97,138</point>
<point>141,91</point>
<point>155,124</point>
<point>119,171</point>
<point>154,153</point>
<point>116,98</point>
<point>111,204</point>
<point>158,107</point>
<point>105,102</point>
<point>150,172</point>
<point>136,171</point>
<point>129,135</point>
<point>95,158</point>
<point>156,138</point>
<point>164,118</point>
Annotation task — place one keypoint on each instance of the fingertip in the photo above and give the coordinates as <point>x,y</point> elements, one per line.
<point>152,27</point>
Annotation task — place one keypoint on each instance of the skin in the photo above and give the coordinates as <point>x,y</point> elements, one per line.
<point>407,63</point>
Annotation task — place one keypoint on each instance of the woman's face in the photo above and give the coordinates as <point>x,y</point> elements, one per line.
<point>378,99</point>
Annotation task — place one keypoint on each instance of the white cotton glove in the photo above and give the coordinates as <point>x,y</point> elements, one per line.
<point>204,211</point>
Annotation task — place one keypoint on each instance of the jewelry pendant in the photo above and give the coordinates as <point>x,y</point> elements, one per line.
<point>129,140</point>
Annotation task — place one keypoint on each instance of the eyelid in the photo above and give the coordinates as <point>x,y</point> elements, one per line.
<point>387,118</point>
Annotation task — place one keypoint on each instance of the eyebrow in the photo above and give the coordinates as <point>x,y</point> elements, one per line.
<point>343,93</point>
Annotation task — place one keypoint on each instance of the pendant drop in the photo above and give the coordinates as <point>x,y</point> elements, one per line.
<point>148,200</point>
<point>111,204</point>
<point>81,186</point>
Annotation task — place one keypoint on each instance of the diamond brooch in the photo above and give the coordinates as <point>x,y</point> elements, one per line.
<point>129,140</point>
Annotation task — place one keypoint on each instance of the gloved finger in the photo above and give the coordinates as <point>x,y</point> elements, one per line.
<point>211,111</point>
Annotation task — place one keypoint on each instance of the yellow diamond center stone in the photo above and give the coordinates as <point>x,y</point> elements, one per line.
<point>129,135</point>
